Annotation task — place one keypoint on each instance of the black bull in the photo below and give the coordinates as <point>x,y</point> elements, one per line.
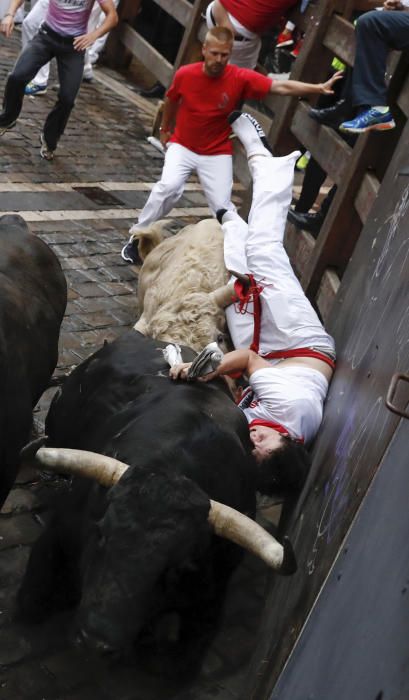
<point>33,297</point>
<point>131,554</point>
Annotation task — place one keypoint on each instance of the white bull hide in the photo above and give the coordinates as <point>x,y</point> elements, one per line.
<point>177,281</point>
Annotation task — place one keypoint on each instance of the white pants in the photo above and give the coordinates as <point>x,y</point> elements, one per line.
<point>214,172</point>
<point>288,320</point>
<point>36,16</point>
<point>245,53</point>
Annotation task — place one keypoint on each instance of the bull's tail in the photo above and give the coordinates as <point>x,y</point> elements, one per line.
<point>149,237</point>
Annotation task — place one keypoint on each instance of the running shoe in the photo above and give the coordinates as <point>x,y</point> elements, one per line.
<point>206,361</point>
<point>370,120</point>
<point>34,89</point>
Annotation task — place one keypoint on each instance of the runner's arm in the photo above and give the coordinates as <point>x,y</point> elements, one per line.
<point>111,20</point>
<point>295,88</point>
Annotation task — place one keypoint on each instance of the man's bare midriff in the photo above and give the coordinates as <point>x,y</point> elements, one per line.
<point>311,362</point>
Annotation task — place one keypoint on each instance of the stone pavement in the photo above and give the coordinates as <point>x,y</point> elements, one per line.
<point>82,205</point>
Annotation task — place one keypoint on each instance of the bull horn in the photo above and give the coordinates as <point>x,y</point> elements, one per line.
<point>237,527</point>
<point>105,470</point>
<point>225,521</point>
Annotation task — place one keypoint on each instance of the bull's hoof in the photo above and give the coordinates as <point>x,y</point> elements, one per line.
<point>29,451</point>
<point>289,565</point>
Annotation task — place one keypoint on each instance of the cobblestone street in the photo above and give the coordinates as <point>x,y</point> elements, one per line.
<point>82,205</point>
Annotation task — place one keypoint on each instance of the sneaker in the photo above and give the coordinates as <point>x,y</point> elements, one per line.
<point>129,253</point>
<point>34,89</point>
<point>370,120</point>
<point>285,38</point>
<point>3,129</point>
<point>45,151</point>
<point>206,361</point>
<point>250,133</point>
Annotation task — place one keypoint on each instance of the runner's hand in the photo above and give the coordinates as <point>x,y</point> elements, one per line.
<point>7,25</point>
<point>180,370</point>
<point>327,87</point>
<point>84,41</point>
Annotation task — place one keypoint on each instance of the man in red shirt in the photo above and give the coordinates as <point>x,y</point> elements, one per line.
<point>196,131</point>
<point>247,19</point>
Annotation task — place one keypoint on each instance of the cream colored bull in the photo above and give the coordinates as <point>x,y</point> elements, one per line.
<point>176,294</point>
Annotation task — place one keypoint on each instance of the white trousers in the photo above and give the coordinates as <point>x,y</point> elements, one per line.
<point>32,24</point>
<point>245,53</point>
<point>215,174</point>
<point>288,320</point>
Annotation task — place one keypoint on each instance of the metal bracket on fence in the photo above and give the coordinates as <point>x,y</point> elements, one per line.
<point>396,378</point>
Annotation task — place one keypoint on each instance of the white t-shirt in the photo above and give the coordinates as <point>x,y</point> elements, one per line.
<point>292,396</point>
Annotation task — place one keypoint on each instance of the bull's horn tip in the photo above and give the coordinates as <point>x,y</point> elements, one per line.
<point>289,565</point>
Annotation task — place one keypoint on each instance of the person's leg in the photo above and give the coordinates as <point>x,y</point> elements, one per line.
<point>70,64</point>
<point>376,34</point>
<point>38,52</point>
<point>29,29</point>
<point>215,174</point>
<point>288,320</point>
<point>179,163</point>
<point>313,179</point>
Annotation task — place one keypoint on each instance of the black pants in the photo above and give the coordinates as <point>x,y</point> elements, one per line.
<point>41,49</point>
<point>377,32</point>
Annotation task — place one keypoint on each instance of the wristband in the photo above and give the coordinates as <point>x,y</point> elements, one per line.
<point>161,128</point>
<point>8,14</point>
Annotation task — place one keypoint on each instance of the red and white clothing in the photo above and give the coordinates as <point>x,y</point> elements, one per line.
<point>249,19</point>
<point>292,395</point>
<point>258,15</point>
<point>201,142</point>
<point>206,102</point>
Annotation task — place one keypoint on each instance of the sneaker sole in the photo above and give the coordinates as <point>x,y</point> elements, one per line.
<point>375,127</point>
<point>285,43</point>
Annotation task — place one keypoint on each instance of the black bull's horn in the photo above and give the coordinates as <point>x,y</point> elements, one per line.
<point>226,522</point>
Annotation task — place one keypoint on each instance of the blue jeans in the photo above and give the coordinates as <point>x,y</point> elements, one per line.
<point>41,49</point>
<point>377,32</point>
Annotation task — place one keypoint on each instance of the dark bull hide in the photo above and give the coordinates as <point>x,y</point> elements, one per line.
<point>33,296</point>
<point>142,550</point>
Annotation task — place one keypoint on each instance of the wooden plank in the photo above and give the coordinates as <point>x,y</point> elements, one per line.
<point>190,44</point>
<point>180,10</point>
<point>327,292</point>
<point>342,225</point>
<point>144,52</point>
<point>340,39</point>
<point>366,196</point>
<point>327,147</point>
<point>403,98</point>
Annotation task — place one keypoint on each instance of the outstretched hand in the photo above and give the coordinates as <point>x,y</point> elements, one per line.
<point>327,87</point>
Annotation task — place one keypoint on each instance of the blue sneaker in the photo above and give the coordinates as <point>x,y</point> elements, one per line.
<point>34,89</point>
<point>370,120</point>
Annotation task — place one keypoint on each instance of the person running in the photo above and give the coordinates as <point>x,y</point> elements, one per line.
<point>196,131</point>
<point>63,35</point>
<point>281,345</point>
